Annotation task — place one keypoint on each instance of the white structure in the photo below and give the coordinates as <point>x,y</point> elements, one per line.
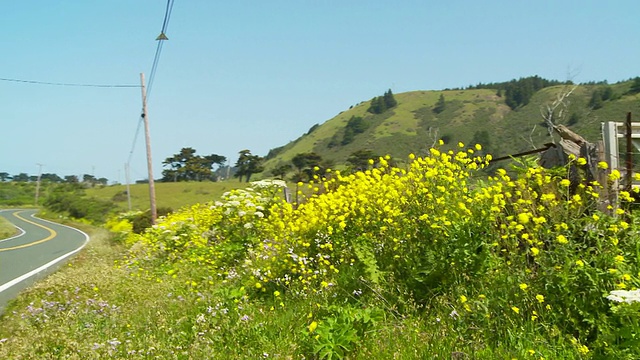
<point>612,132</point>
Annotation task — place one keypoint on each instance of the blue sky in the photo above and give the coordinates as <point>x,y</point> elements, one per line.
<point>257,74</point>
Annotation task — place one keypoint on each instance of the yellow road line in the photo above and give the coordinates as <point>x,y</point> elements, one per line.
<point>52,234</point>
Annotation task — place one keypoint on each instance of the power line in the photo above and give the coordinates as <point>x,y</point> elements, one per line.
<point>70,84</point>
<point>135,137</point>
<point>161,38</point>
<point>167,15</point>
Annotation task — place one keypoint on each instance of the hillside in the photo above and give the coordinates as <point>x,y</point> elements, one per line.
<point>471,115</point>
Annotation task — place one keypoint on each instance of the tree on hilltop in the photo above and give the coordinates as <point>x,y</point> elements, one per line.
<point>389,100</point>
<point>380,104</point>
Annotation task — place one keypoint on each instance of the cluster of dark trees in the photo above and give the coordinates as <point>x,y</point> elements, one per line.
<point>440,105</point>
<point>605,93</point>
<point>600,95</point>
<point>635,86</point>
<point>356,125</point>
<point>187,166</point>
<point>380,104</point>
<point>306,165</point>
<point>53,178</point>
<point>518,92</point>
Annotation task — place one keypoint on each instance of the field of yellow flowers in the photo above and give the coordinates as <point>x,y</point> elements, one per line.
<point>432,259</point>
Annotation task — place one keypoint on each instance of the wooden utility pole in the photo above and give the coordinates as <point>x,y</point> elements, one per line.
<point>38,183</point>
<point>152,187</point>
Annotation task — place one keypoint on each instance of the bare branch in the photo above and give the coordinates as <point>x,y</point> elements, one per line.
<point>433,135</point>
<point>549,114</point>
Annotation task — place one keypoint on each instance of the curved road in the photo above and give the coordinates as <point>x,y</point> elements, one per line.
<point>39,246</point>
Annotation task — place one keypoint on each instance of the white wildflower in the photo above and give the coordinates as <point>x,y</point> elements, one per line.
<point>624,296</point>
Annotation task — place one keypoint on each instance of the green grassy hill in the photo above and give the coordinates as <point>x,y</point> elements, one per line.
<point>412,126</point>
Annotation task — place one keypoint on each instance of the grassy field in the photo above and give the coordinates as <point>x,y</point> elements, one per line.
<point>6,229</point>
<point>172,195</point>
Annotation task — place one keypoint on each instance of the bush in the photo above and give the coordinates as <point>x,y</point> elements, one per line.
<point>70,199</point>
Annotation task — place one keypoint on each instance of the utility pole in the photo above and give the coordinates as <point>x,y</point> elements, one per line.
<point>38,183</point>
<point>145,117</point>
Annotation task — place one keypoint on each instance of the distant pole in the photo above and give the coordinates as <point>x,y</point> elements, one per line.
<point>126,178</point>
<point>38,182</point>
<point>145,117</point>
<point>629,162</point>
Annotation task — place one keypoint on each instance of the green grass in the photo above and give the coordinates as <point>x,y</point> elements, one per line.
<point>6,229</point>
<point>172,195</point>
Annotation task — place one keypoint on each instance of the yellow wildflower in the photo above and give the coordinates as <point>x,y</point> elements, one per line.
<point>523,286</point>
<point>615,175</point>
<point>562,239</point>
<point>313,326</point>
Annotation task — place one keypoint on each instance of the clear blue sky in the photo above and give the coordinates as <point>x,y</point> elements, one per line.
<point>257,74</point>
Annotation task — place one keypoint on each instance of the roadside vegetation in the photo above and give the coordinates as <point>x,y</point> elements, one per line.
<point>6,229</point>
<point>428,260</point>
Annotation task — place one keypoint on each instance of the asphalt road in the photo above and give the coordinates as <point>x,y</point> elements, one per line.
<point>35,252</point>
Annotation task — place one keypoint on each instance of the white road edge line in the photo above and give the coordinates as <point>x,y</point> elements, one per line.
<point>33,272</point>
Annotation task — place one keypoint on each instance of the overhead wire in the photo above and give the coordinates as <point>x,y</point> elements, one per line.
<point>135,137</point>
<point>160,39</point>
<point>154,67</point>
<point>70,84</point>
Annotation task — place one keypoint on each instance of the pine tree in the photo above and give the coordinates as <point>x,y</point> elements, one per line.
<point>440,105</point>
<point>389,100</point>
